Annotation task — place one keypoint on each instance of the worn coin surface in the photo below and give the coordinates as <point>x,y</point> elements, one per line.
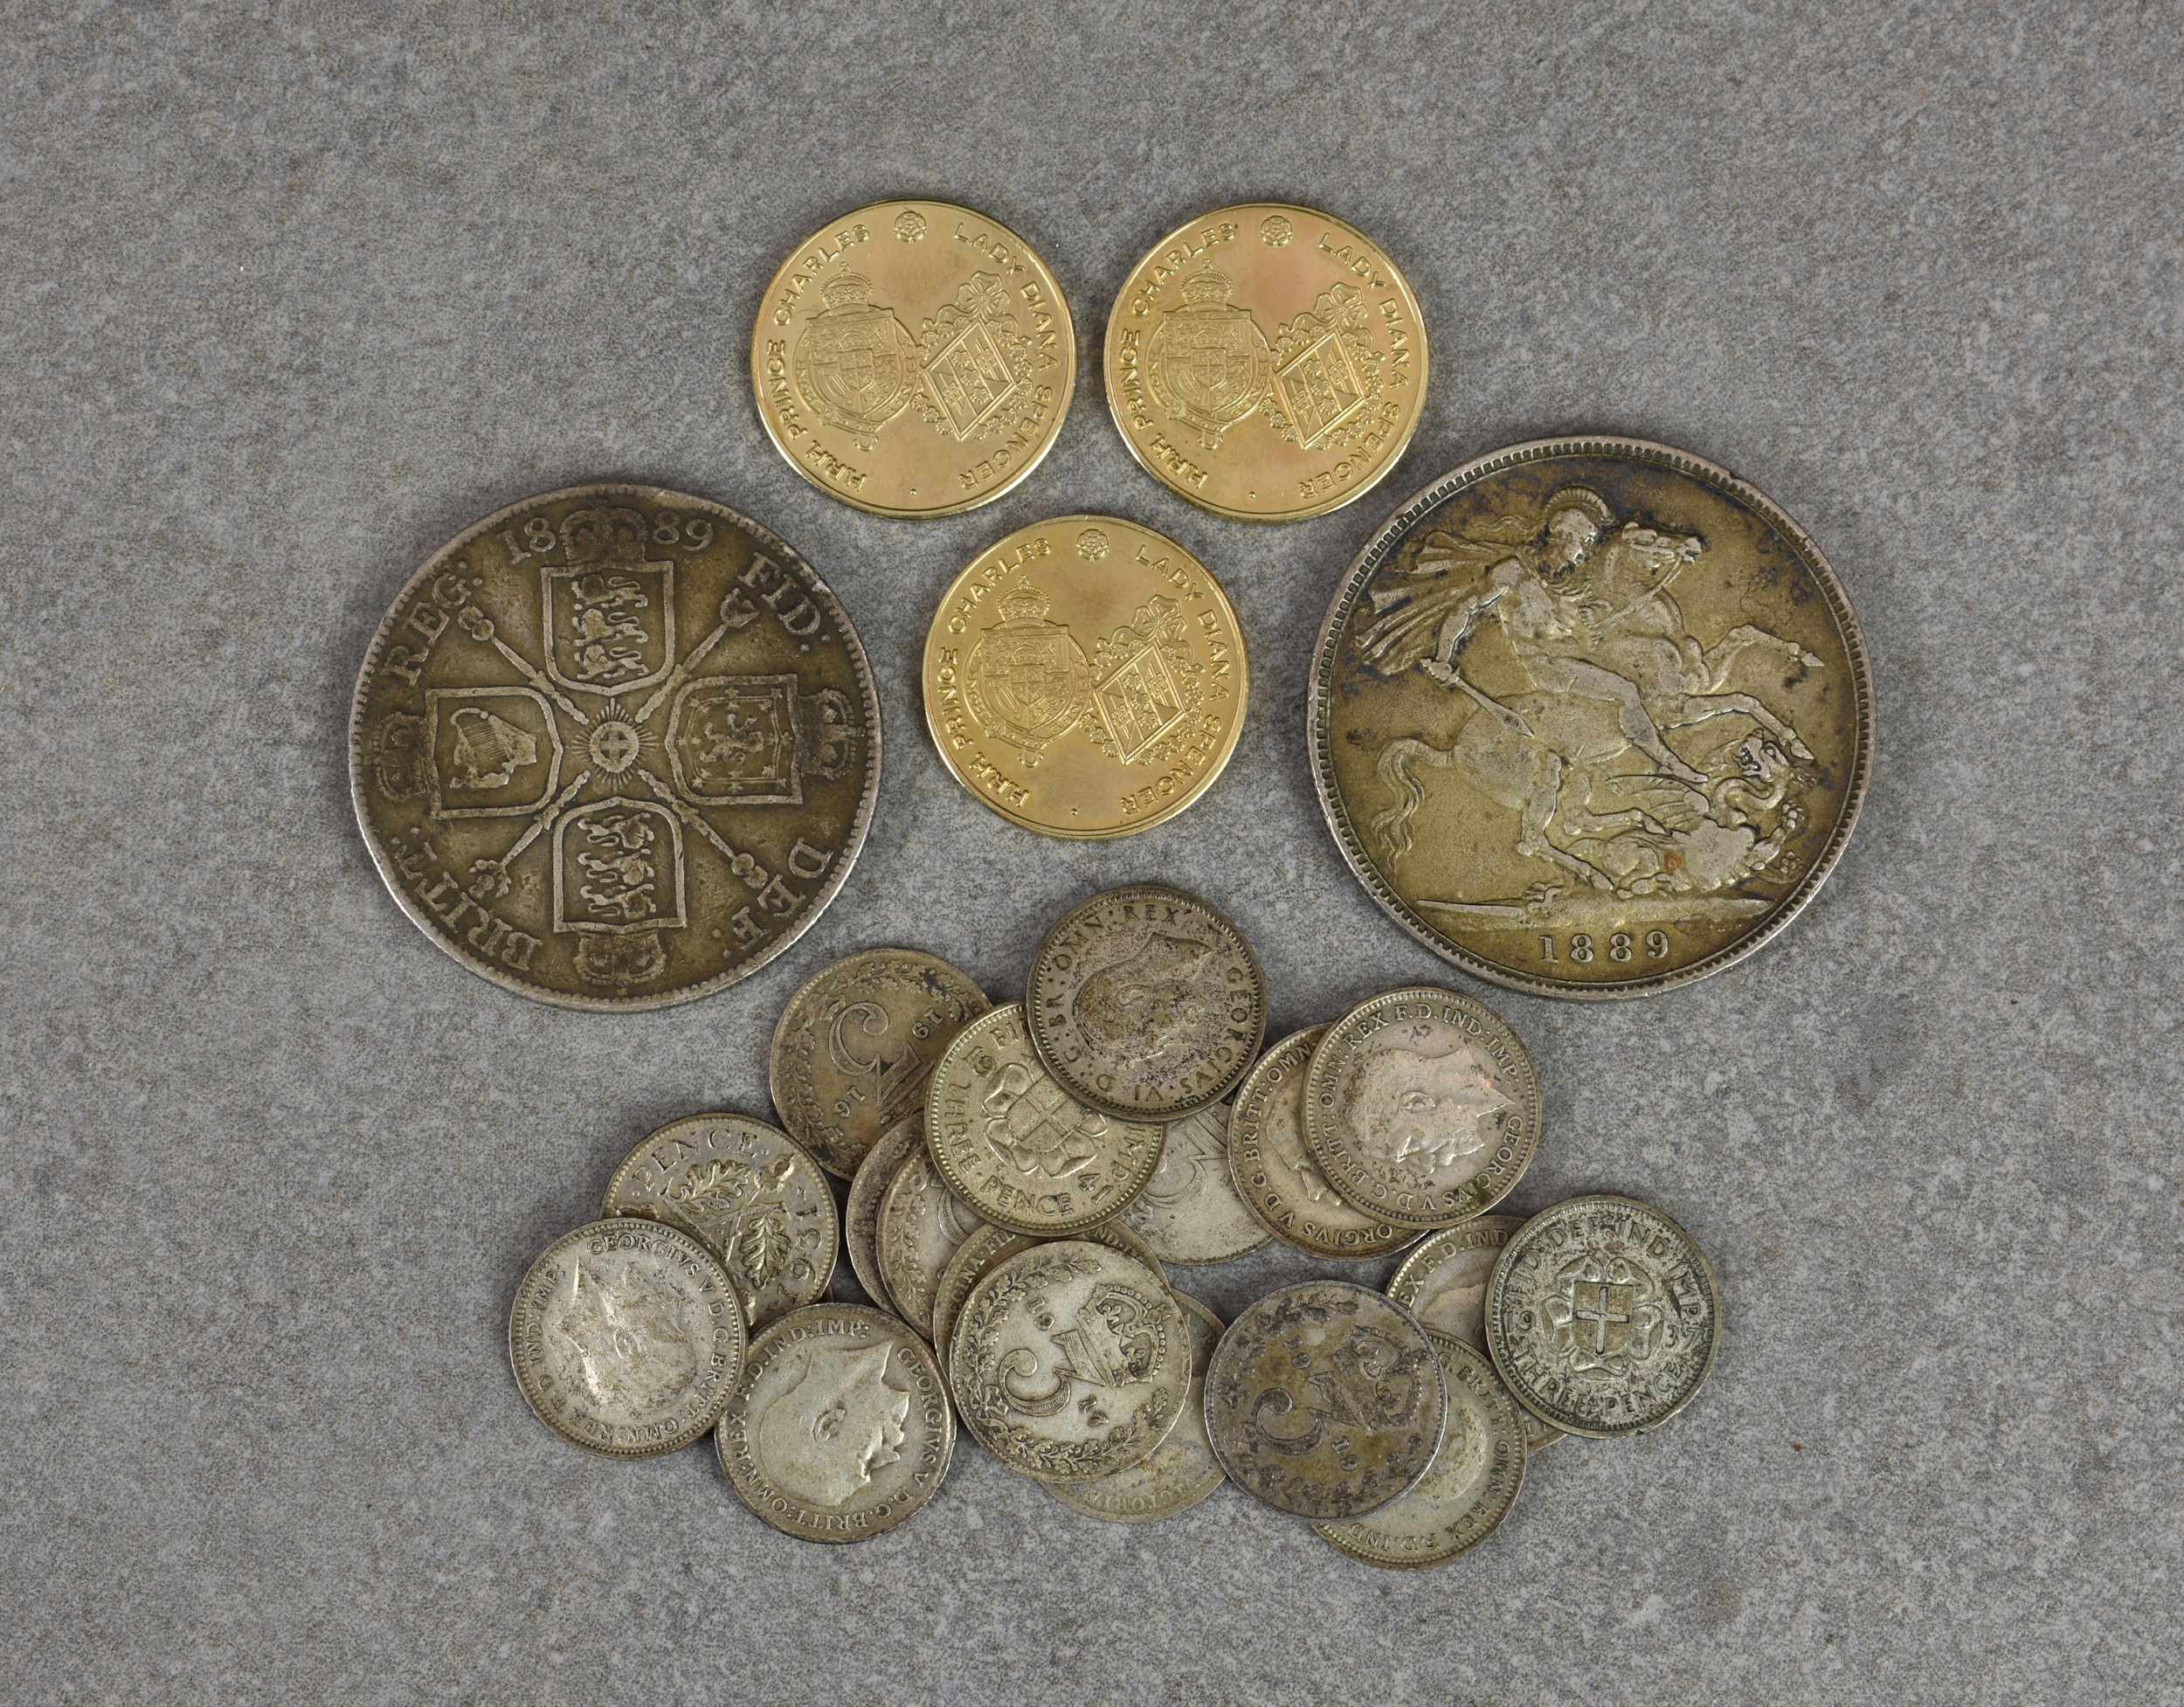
<point>854,1046</point>
<point>1602,1317</point>
<point>839,1426</point>
<point>1276,1174</point>
<point>913,358</point>
<point>626,1338</point>
<point>1421,1106</point>
<point>989,1247</point>
<point>1182,1469</point>
<point>1146,1002</point>
<point>1477,1472</point>
<point>1266,362</point>
<point>1016,1147</point>
<point>1070,1361</point>
<point>1085,678</point>
<point>1443,1284</point>
<point>860,1208</point>
<point>1590,718</point>
<point>1189,1211</point>
<point>614,747</point>
<point>751,1195</point>
<point>921,1222</point>
<point>1325,1400</point>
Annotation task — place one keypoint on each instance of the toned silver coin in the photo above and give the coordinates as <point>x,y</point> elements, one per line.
<point>1443,1284</point>
<point>626,1338</point>
<point>839,1428</point>
<point>1422,1107</point>
<point>1018,1148</point>
<point>1189,1211</point>
<point>861,1210</point>
<point>1325,1400</point>
<point>855,1044</point>
<point>989,1247</point>
<point>751,1195</point>
<point>921,1222</point>
<point>1477,1472</point>
<point>1147,1003</point>
<point>1274,1173</point>
<point>1590,718</point>
<point>1070,1361</point>
<point>1602,1317</point>
<point>614,747</point>
<point>1182,1469</point>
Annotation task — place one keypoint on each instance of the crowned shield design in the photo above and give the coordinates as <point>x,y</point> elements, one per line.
<point>610,614</point>
<point>856,364</point>
<point>491,752</point>
<point>737,740</point>
<point>1145,682</point>
<point>974,359</point>
<point>1207,362</point>
<point>1026,680</point>
<point>1327,368</point>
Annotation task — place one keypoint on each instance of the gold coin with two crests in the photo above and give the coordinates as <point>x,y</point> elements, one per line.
<point>1590,718</point>
<point>614,747</point>
<point>913,358</point>
<point>1085,678</point>
<point>1266,362</point>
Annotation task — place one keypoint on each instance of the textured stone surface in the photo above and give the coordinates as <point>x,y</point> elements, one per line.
<point>289,294</point>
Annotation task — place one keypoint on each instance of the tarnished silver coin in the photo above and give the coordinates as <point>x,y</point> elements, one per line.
<point>989,1247</point>
<point>1422,1107</point>
<point>921,1224</point>
<point>855,1046</point>
<point>1182,1469</point>
<point>1602,1317</point>
<point>1018,1148</point>
<point>752,1195</point>
<point>1477,1472</point>
<point>1325,1400</point>
<point>839,1428</point>
<point>614,747</point>
<point>860,1208</point>
<point>626,1338</point>
<point>1070,1361</point>
<point>1147,1003</point>
<point>1274,1173</point>
<point>1189,1211</point>
<point>1443,1284</point>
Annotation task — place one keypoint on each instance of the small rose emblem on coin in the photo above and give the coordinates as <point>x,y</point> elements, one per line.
<point>910,226</point>
<point>1276,232</point>
<point>1092,545</point>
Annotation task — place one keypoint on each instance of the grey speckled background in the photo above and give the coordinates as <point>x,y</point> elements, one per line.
<point>289,294</point>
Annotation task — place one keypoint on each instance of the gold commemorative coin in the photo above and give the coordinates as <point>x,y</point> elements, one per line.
<point>1602,1316</point>
<point>614,747</point>
<point>1266,362</point>
<point>1590,718</point>
<point>626,1338</point>
<point>853,1045</point>
<point>913,358</point>
<point>1085,678</point>
<point>1422,1107</point>
<point>839,1426</point>
<point>1276,1173</point>
<point>1443,1282</point>
<point>1020,1149</point>
<point>1147,1003</point>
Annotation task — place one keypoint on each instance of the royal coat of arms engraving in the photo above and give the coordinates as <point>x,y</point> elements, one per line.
<point>1027,679</point>
<point>857,366</point>
<point>1207,362</point>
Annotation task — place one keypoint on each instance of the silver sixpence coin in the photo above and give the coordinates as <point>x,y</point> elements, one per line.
<point>1147,1003</point>
<point>626,1338</point>
<point>1325,1400</point>
<point>839,1428</point>
<point>1602,1317</point>
<point>1443,1282</point>
<point>1189,1211</point>
<point>1477,1472</point>
<point>1182,1469</point>
<point>1070,1361</point>
<point>751,1194</point>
